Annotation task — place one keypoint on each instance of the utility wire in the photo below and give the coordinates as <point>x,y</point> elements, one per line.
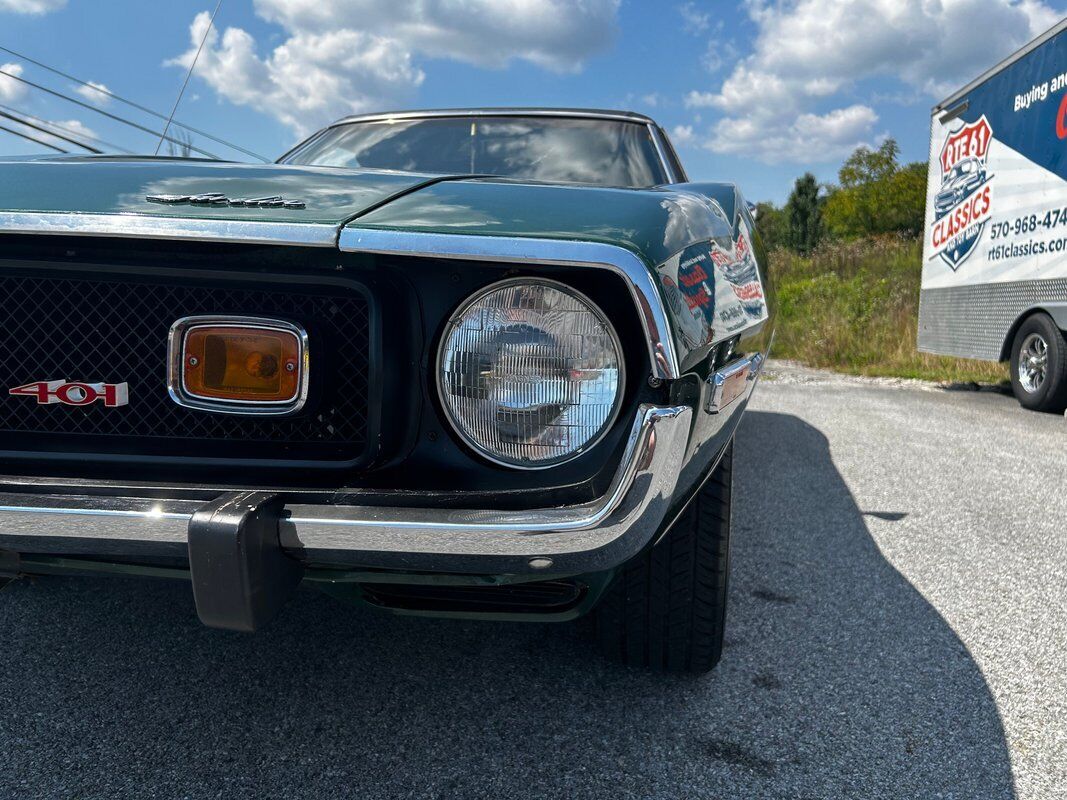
<point>58,127</point>
<point>188,75</point>
<point>131,103</point>
<point>28,124</point>
<point>33,139</point>
<point>104,113</point>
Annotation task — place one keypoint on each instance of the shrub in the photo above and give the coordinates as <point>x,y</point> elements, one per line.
<point>853,306</point>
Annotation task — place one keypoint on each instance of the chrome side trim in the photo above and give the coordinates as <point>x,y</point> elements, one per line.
<point>622,262</point>
<point>180,394</point>
<point>140,226</point>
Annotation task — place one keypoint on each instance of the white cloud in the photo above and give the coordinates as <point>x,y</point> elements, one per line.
<point>696,99</point>
<point>810,137</point>
<point>308,80</point>
<point>94,93</point>
<point>693,20</point>
<point>10,89</point>
<point>558,34</point>
<point>350,56</point>
<point>719,53</point>
<point>682,134</point>
<point>70,128</point>
<point>807,52</point>
<point>75,128</point>
<point>31,6</point>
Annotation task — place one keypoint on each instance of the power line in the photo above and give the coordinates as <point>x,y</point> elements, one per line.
<point>131,103</point>
<point>188,75</point>
<point>104,113</point>
<point>28,124</point>
<point>65,129</point>
<point>33,139</point>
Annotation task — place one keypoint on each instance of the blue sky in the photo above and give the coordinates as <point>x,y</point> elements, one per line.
<point>755,92</point>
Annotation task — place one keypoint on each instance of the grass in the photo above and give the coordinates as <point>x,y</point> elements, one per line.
<point>854,306</point>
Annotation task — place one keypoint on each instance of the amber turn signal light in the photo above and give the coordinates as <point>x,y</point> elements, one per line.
<point>243,364</point>
<point>238,365</point>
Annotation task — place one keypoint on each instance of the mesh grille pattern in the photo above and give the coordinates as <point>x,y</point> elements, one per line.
<point>107,330</point>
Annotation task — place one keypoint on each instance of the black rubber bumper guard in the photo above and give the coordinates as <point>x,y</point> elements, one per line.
<point>241,576</point>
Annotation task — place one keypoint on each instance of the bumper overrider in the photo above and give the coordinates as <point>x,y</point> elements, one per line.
<point>247,550</point>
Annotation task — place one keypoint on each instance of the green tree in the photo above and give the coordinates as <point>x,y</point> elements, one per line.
<point>876,195</point>
<point>803,213</point>
<point>906,200</point>
<point>773,225</point>
<point>866,166</point>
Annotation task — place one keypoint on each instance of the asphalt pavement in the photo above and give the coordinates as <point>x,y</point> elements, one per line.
<point>897,629</point>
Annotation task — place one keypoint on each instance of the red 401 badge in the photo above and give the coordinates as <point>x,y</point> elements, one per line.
<point>75,393</point>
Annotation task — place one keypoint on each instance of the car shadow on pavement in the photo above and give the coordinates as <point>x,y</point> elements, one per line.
<point>839,680</point>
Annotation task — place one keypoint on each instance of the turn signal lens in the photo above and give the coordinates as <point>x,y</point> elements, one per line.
<point>241,364</point>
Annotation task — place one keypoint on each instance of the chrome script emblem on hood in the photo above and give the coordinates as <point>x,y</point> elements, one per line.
<point>219,199</point>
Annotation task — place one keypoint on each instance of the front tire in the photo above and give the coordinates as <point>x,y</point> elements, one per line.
<point>666,609</point>
<point>1039,365</point>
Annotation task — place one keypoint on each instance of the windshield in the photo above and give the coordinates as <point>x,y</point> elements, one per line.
<point>550,149</point>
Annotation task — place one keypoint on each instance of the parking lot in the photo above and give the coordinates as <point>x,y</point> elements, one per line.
<point>897,629</point>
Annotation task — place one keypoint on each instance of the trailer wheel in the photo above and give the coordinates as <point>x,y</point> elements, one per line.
<point>1039,365</point>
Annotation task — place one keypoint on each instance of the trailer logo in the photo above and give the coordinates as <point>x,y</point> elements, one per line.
<point>963,204</point>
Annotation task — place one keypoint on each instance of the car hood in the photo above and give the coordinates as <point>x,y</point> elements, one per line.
<point>109,185</point>
<point>106,196</point>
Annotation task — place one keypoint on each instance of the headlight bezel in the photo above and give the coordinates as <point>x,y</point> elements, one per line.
<point>438,365</point>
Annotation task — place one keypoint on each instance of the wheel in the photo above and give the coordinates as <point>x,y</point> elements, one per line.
<point>666,608</point>
<point>1039,365</point>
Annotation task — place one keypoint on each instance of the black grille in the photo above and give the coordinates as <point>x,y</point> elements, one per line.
<point>114,330</point>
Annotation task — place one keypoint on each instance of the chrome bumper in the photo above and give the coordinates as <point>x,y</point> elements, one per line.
<point>557,541</point>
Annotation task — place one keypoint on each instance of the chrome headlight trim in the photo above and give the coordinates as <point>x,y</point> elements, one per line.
<point>635,273</point>
<point>593,308</point>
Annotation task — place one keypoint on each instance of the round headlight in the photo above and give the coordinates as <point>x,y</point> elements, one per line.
<point>530,373</point>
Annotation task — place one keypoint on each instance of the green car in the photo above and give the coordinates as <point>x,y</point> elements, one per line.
<point>471,363</point>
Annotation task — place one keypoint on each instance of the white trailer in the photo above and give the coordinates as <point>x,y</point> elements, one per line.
<point>994,280</point>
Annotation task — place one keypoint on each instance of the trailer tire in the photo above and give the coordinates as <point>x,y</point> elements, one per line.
<point>666,609</point>
<point>1039,364</point>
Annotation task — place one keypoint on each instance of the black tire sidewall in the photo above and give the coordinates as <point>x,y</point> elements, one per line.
<point>1050,397</point>
<point>666,607</point>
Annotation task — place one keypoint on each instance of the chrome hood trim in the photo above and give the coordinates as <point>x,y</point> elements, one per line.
<point>138,226</point>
